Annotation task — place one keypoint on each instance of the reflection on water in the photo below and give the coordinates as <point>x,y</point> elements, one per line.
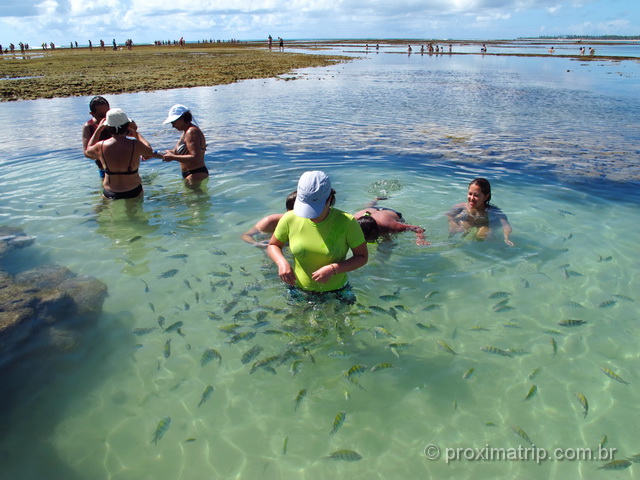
<point>184,288</point>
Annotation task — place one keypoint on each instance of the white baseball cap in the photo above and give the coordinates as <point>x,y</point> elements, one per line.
<point>175,113</point>
<point>314,189</point>
<point>116,118</point>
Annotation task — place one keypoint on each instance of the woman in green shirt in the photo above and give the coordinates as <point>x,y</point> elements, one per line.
<point>319,237</point>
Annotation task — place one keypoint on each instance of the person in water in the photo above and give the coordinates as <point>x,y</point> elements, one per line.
<point>267,225</point>
<point>190,149</point>
<point>98,108</point>
<point>478,213</point>
<point>378,221</point>
<point>319,237</point>
<point>118,155</point>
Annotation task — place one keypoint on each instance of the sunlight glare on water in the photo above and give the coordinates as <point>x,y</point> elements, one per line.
<point>378,128</point>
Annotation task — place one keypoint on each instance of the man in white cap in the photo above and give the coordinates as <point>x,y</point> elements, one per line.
<point>319,238</point>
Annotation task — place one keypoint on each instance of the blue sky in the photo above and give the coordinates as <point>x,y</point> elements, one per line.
<point>63,21</point>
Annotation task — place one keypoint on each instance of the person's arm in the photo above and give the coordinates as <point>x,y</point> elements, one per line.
<point>274,250</point>
<point>359,258</point>
<point>249,237</point>
<point>506,230</point>
<point>374,202</point>
<point>143,146</point>
<point>193,147</point>
<point>455,226</point>
<point>86,136</point>
<point>92,151</point>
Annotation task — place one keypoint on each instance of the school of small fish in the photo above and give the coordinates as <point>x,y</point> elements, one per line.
<point>246,330</point>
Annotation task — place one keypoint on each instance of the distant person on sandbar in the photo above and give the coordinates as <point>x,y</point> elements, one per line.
<point>98,108</point>
<point>266,226</point>
<point>190,149</point>
<point>476,213</point>
<point>377,222</point>
<point>281,44</point>
<point>120,156</point>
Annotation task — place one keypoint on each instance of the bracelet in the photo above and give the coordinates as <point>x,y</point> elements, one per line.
<point>333,266</point>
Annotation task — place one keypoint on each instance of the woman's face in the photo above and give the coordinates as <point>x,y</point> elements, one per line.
<point>179,124</point>
<point>476,198</point>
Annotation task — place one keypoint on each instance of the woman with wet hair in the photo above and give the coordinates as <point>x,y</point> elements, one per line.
<point>477,213</point>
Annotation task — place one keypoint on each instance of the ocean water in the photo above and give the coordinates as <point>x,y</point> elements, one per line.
<point>557,139</point>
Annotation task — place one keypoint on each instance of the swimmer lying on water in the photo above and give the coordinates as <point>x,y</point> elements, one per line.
<point>267,225</point>
<point>378,221</point>
<point>477,213</point>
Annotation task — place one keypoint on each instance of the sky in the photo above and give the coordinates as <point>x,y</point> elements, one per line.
<point>143,21</point>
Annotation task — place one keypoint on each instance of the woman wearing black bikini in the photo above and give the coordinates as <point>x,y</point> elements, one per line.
<point>189,150</point>
<point>119,155</point>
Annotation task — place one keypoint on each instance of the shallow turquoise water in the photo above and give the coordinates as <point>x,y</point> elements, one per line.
<point>428,128</point>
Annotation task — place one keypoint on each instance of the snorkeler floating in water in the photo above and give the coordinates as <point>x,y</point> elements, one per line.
<point>477,213</point>
<point>378,221</point>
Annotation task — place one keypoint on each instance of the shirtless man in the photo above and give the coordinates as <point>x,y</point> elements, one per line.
<point>378,221</point>
<point>266,226</point>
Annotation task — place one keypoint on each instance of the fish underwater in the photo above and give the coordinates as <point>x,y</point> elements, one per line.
<point>521,433</point>
<point>205,395</point>
<point>445,347</point>
<point>251,354</point>
<point>210,354</point>
<point>583,401</point>
<point>301,394</point>
<point>611,374</point>
<point>346,455</point>
<point>338,421</point>
<point>161,429</point>
<point>168,273</point>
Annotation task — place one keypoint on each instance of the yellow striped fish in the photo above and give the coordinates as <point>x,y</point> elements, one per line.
<point>611,374</point>
<point>583,401</point>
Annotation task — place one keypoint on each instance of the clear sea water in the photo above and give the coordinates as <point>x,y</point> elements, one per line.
<point>559,141</point>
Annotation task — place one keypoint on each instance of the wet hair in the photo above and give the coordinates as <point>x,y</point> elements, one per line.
<point>485,187</point>
<point>331,200</point>
<point>291,199</point>
<point>119,130</point>
<point>96,102</point>
<point>369,227</point>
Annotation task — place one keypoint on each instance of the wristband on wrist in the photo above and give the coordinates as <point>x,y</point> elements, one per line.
<point>333,266</point>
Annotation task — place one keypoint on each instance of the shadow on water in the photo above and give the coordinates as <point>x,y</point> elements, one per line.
<point>40,387</point>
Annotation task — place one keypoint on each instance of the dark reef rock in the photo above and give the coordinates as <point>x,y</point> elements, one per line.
<point>45,306</point>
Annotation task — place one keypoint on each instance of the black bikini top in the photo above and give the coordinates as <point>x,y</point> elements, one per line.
<point>129,171</point>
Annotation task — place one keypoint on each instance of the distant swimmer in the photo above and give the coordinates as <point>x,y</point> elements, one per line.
<point>477,213</point>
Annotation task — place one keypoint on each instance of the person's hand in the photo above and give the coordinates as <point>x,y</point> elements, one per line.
<point>508,242</point>
<point>323,274</point>
<point>286,274</point>
<point>422,241</point>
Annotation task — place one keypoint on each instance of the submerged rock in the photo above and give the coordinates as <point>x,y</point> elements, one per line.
<point>43,307</point>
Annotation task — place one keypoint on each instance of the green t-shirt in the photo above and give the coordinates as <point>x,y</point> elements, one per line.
<point>315,245</point>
